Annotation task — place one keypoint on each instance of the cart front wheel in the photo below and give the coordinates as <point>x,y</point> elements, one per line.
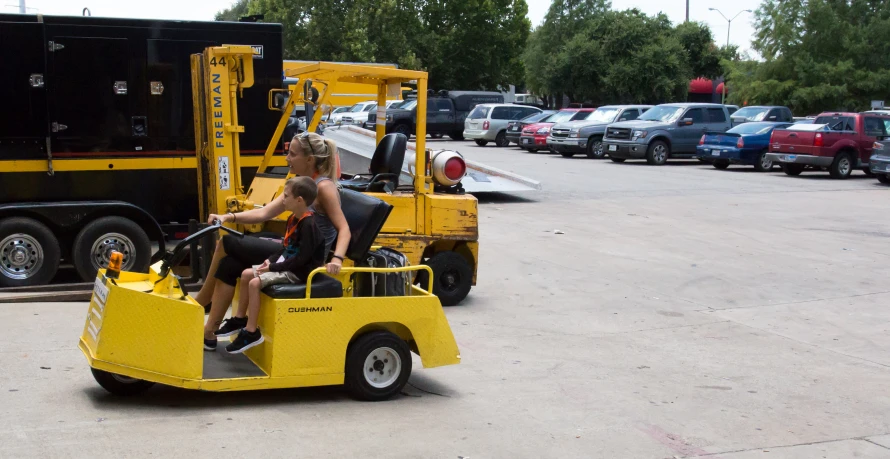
<point>119,384</point>
<point>378,365</point>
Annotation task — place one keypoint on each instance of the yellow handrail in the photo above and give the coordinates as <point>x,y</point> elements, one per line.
<point>351,269</point>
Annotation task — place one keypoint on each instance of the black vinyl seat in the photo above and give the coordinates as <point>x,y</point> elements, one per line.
<point>365,216</point>
<point>323,286</point>
<point>386,166</point>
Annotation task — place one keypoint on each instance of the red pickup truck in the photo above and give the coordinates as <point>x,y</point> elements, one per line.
<point>839,142</point>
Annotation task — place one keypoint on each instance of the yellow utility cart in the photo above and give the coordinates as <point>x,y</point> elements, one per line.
<point>143,329</point>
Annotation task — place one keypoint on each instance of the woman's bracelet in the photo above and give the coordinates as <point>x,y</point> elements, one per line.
<point>233,217</point>
<point>338,256</point>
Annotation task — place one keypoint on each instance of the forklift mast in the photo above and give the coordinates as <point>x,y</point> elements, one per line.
<point>218,77</point>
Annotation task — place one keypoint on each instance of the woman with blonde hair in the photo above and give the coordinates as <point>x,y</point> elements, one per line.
<point>309,155</point>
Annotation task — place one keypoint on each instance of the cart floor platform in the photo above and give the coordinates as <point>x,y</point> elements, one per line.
<point>219,364</point>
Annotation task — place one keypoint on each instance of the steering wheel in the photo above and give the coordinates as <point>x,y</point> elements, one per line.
<point>174,257</point>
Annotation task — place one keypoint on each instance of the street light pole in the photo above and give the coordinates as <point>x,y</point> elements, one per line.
<point>728,27</point>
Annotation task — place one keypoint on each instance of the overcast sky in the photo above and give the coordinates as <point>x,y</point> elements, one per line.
<point>741,32</point>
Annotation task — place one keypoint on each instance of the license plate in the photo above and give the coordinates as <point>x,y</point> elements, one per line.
<point>526,140</point>
<point>715,152</point>
<point>613,147</point>
<point>790,157</point>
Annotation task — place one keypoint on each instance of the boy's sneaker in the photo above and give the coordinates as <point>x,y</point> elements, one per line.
<point>209,344</point>
<point>231,326</point>
<point>245,341</point>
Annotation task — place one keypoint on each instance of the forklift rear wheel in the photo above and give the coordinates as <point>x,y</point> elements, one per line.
<point>452,277</point>
<point>98,239</point>
<point>482,143</point>
<point>378,365</point>
<point>29,253</point>
<point>120,385</point>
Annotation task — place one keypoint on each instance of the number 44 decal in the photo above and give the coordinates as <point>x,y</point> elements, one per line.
<point>222,61</point>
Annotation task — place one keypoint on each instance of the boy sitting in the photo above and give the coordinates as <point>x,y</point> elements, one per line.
<point>303,251</point>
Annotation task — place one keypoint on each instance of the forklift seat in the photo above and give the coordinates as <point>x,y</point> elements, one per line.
<point>386,166</point>
<point>365,216</point>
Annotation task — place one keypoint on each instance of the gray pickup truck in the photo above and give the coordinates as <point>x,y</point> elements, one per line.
<point>586,136</point>
<point>664,131</point>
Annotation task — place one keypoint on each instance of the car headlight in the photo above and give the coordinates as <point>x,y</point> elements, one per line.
<point>388,118</point>
<point>640,134</point>
<point>544,131</point>
<point>878,146</point>
<point>574,132</point>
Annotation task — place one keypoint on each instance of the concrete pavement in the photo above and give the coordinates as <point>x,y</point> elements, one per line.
<point>684,312</point>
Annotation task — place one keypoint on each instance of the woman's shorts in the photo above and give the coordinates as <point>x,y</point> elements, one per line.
<point>242,253</point>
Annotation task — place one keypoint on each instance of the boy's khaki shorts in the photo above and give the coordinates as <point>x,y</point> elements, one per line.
<point>270,278</point>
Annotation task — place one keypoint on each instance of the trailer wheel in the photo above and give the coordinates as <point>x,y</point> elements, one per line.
<point>29,253</point>
<point>95,242</point>
<point>120,385</point>
<point>452,277</point>
<point>378,365</point>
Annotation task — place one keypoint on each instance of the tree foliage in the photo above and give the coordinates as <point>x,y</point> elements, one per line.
<point>818,55</point>
<point>591,53</point>
<point>463,44</point>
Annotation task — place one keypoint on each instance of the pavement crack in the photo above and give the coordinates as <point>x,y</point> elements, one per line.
<point>812,345</point>
<point>876,444</point>
<point>814,300</point>
<point>792,446</point>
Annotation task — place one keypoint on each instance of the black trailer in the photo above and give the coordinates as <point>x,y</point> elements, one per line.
<point>97,146</point>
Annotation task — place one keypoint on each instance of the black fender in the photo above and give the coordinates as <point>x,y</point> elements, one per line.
<point>66,219</point>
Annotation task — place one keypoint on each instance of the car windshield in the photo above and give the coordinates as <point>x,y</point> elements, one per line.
<point>560,117</point>
<point>603,115</point>
<point>479,112</point>
<point>340,109</point>
<point>535,117</point>
<point>665,114</point>
<point>357,108</point>
<point>751,113</point>
<point>752,128</point>
<point>408,105</point>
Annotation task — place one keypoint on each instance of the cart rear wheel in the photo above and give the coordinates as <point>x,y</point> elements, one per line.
<point>378,365</point>
<point>120,385</point>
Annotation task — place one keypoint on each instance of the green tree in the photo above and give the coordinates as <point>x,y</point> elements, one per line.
<point>818,55</point>
<point>463,44</point>
<point>604,56</point>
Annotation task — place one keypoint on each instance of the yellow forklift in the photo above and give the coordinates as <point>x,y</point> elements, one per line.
<point>143,329</point>
<point>433,222</point>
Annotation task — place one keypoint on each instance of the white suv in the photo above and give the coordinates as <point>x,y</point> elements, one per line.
<point>488,122</point>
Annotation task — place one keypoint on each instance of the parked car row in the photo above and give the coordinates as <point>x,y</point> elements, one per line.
<point>759,136</point>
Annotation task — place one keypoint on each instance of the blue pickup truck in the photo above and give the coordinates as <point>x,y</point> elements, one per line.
<point>746,143</point>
